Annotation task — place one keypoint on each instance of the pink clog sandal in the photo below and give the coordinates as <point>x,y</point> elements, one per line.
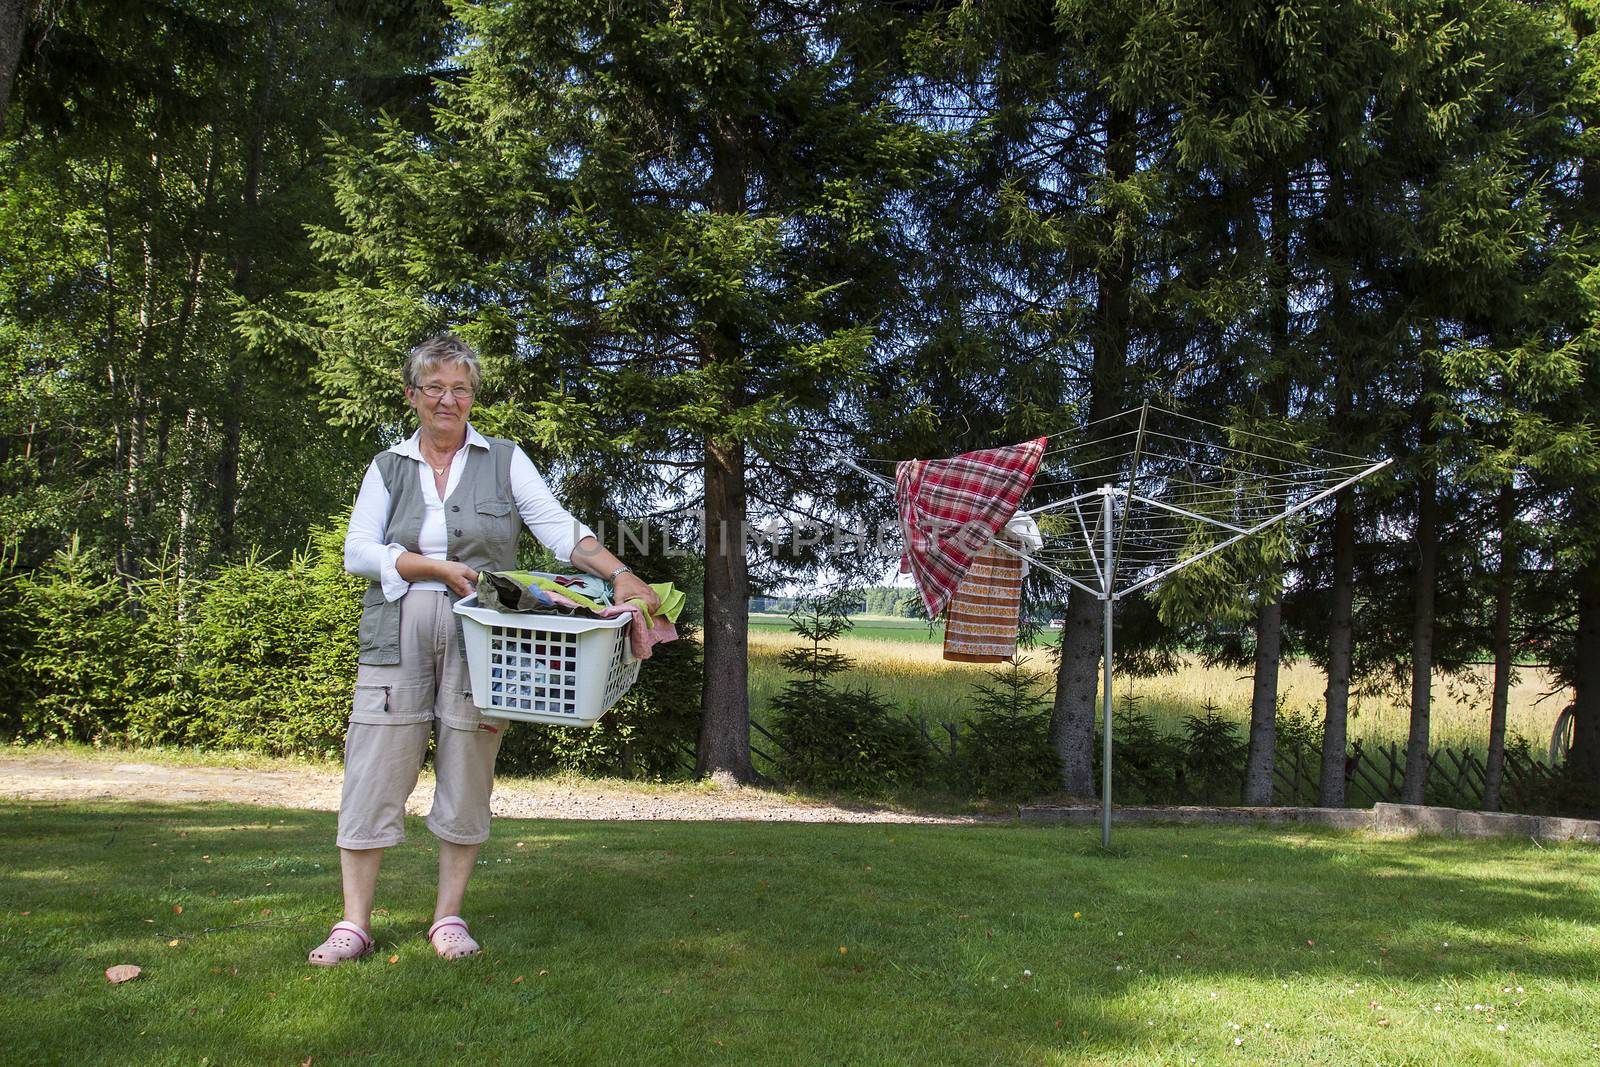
<point>450,939</point>
<point>346,943</point>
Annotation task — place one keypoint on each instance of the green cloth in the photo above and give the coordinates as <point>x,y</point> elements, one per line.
<point>517,591</point>
<point>671,598</point>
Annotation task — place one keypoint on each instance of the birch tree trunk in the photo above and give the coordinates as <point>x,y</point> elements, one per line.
<point>235,400</point>
<point>1505,583</point>
<point>1264,700</point>
<point>13,28</point>
<point>1262,753</point>
<point>1585,754</point>
<point>1423,596</point>
<point>1337,714</point>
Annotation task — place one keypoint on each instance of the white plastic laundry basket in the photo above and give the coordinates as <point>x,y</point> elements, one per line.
<point>558,669</point>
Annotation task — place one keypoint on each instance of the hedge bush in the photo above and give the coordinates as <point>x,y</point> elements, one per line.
<point>260,656</point>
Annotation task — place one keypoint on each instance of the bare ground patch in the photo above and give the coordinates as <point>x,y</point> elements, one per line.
<point>47,777</point>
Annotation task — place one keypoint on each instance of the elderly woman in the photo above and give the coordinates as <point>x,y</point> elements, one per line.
<point>432,511</point>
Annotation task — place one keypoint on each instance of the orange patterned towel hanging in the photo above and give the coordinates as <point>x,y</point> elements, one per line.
<point>981,625</point>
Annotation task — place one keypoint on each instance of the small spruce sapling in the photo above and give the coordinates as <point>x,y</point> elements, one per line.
<point>1006,752</point>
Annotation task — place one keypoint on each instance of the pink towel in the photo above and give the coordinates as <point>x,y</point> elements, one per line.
<point>644,634</point>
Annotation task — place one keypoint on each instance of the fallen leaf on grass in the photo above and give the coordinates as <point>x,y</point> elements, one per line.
<point>395,958</point>
<point>517,980</point>
<point>122,972</point>
<point>173,943</point>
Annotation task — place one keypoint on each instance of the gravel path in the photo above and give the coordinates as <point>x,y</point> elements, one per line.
<point>56,777</point>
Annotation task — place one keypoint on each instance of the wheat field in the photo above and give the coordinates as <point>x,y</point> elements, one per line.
<point>916,677</point>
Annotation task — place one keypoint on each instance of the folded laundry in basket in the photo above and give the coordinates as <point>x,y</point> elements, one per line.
<point>541,591</point>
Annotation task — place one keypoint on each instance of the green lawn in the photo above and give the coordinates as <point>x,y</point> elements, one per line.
<point>795,944</point>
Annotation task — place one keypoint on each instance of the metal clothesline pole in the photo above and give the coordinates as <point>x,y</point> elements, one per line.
<point>1105,699</point>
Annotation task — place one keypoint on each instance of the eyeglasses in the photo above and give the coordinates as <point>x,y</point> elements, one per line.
<point>437,392</point>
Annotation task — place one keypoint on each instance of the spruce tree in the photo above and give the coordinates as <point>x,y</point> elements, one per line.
<point>668,228</point>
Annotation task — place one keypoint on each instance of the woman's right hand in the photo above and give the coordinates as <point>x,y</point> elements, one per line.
<point>458,576</point>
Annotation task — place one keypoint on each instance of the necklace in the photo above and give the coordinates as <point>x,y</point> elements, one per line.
<point>440,471</point>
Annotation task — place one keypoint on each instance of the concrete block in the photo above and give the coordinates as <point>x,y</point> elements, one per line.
<point>1552,828</point>
<point>1337,818</point>
<point>1413,819</point>
<point>1385,817</point>
<point>1189,815</point>
<point>1492,823</point>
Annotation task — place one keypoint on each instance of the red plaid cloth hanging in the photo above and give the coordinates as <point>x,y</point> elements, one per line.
<point>950,509</point>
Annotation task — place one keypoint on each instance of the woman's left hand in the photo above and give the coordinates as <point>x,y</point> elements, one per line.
<point>630,586</point>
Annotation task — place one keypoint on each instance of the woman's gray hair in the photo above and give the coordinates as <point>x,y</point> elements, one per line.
<point>445,348</point>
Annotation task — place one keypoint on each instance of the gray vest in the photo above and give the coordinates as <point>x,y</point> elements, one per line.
<point>481,523</point>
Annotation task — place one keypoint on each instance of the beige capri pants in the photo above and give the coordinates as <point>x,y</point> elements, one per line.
<point>395,711</point>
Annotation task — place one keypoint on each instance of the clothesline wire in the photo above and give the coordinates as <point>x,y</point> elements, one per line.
<point>1264,493</point>
<point>1100,442</point>
<point>1220,464</point>
<point>1154,408</point>
<point>1361,460</point>
<point>1329,474</point>
<point>1257,455</point>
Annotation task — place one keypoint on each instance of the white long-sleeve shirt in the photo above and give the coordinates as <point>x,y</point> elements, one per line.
<point>368,553</point>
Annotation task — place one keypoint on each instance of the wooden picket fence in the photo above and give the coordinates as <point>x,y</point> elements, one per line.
<point>1454,779</point>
